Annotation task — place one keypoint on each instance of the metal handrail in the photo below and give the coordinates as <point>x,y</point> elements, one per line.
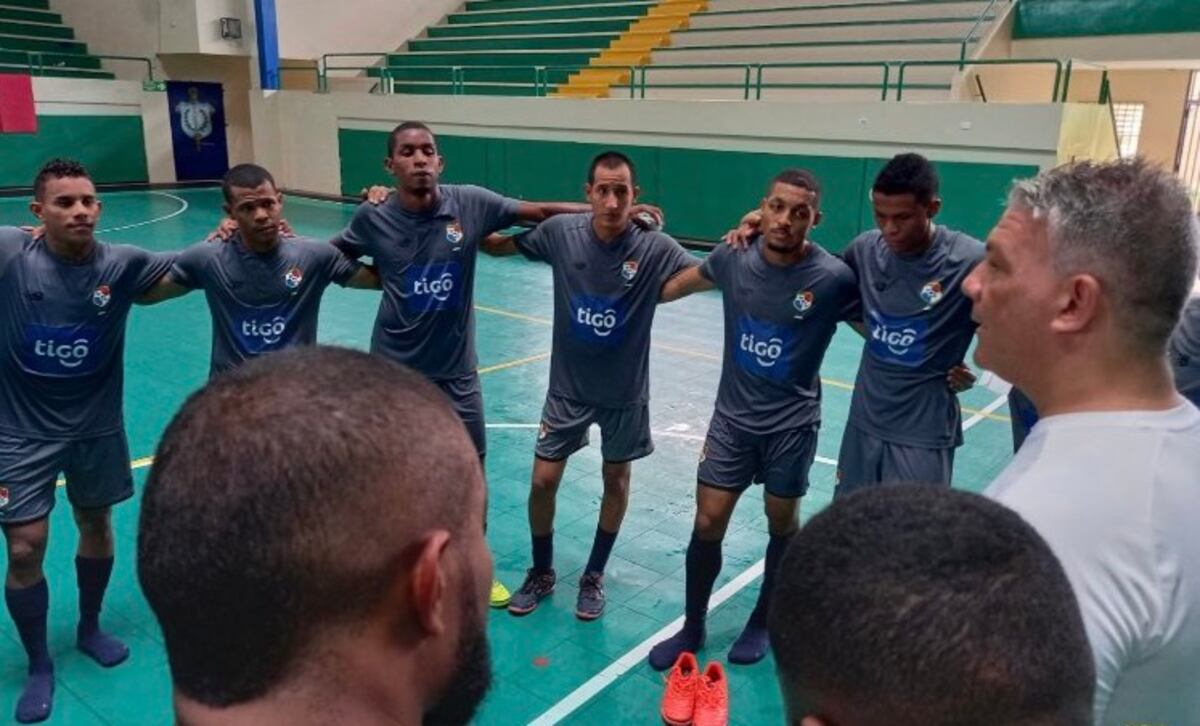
<point>747,67</point>
<point>1058,65</point>
<point>39,68</point>
<point>323,73</point>
<point>1105,89</point>
<point>758,85</point>
<point>962,52</point>
<point>632,75</point>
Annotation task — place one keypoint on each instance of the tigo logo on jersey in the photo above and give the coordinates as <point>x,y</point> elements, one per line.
<point>597,320</point>
<point>898,340</point>
<point>629,270</point>
<point>931,293</point>
<point>54,350</point>
<point>435,287</point>
<point>454,234</point>
<point>803,302</point>
<point>293,277</point>
<point>101,296</point>
<point>761,347</point>
<point>266,332</point>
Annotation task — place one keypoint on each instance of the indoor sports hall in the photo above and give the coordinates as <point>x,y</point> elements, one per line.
<point>710,98</point>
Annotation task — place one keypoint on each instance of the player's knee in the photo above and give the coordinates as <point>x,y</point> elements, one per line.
<point>616,484</point>
<point>25,554</point>
<point>542,485</point>
<point>94,525</point>
<point>709,526</point>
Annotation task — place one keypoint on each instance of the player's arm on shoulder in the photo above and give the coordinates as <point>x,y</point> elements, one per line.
<point>12,241</point>
<point>157,283</point>
<point>688,281</point>
<point>353,241</point>
<point>538,212</point>
<point>499,245</point>
<point>167,288</point>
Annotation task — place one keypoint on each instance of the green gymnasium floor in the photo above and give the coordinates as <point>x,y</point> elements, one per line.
<point>549,667</point>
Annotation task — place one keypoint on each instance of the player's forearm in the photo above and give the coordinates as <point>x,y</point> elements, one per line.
<point>499,245</point>
<point>163,290</point>
<point>367,278</point>
<point>541,211</point>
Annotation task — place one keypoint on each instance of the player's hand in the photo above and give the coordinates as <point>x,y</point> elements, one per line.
<point>747,229</point>
<point>34,232</point>
<point>648,216</point>
<point>376,194</point>
<point>960,378</point>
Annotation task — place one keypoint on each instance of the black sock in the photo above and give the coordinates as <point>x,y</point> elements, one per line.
<point>601,549</point>
<point>775,549</point>
<point>92,574</point>
<point>543,551</point>
<point>703,566</point>
<point>28,607</point>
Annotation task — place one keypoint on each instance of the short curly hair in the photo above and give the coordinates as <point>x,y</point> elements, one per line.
<point>57,169</point>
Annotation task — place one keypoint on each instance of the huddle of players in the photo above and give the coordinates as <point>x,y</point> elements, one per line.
<point>899,285</point>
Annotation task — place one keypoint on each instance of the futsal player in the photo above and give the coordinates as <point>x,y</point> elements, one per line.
<point>783,298</point>
<point>425,241</point>
<point>263,289</point>
<point>905,419</point>
<point>64,301</point>
<point>1086,274</point>
<point>608,274</point>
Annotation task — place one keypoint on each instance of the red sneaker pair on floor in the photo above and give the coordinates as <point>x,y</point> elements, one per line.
<point>693,697</point>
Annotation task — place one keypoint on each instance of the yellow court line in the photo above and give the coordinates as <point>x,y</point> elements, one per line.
<point>514,363</point>
<point>835,383</point>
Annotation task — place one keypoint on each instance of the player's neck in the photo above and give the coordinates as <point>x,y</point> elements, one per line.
<point>421,200</point>
<point>71,251</point>
<point>260,245</point>
<point>607,234</point>
<point>1101,383</point>
<point>921,246</point>
<point>780,258</point>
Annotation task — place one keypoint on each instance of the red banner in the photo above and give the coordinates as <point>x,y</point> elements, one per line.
<point>17,112</point>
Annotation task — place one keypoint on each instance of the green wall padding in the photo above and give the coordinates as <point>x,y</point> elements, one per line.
<point>111,147</point>
<point>702,192</point>
<point>1077,18</point>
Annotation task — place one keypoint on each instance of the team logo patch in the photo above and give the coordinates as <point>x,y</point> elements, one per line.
<point>293,277</point>
<point>454,233</point>
<point>932,293</point>
<point>101,296</point>
<point>3,496</point>
<point>803,301</point>
<point>629,270</point>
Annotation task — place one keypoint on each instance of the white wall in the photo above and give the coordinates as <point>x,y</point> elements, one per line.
<point>297,131</point>
<point>310,28</point>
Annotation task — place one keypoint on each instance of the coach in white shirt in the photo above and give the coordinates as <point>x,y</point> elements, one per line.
<point>1084,279</point>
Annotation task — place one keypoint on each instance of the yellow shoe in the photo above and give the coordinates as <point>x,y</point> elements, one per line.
<point>500,596</point>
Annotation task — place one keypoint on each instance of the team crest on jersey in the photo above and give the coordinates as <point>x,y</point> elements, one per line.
<point>3,496</point>
<point>932,293</point>
<point>293,277</point>
<point>454,234</point>
<point>629,270</point>
<point>803,302</point>
<point>101,296</point>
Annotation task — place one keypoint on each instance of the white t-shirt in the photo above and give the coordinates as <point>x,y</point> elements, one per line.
<point>1117,496</point>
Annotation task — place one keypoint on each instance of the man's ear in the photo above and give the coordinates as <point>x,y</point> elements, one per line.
<point>427,583</point>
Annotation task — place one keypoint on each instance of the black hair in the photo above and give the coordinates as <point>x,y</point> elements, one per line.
<point>57,169</point>
<point>394,137</point>
<point>908,174</point>
<point>800,178</point>
<point>284,498</point>
<point>611,160</point>
<point>244,176</point>
<point>921,605</point>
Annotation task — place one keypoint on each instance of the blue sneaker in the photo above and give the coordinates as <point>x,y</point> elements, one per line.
<point>590,604</point>
<point>538,584</point>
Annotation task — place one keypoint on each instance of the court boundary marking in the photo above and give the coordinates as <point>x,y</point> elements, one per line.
<point>155,220</point>
<point>592,687</point>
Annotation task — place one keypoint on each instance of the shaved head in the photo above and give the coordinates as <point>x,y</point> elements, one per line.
<point>284,499</point>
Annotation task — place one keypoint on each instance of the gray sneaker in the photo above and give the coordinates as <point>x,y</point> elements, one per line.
<point>590,604</point>
<point>537,585</point>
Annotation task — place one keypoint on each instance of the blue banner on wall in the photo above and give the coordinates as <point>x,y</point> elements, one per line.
<point>198,130</point>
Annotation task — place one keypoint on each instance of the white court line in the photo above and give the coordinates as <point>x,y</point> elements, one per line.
<point>605,678</point>
<point>156,220</point>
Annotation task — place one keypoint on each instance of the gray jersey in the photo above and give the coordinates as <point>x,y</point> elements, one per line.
<point>62,335</point>
<point>778,324</point>
<point>1185,351</point>
<point>605,295</point>
<point>426,319</point>
<point>919,326</point>
<point>261,302</point>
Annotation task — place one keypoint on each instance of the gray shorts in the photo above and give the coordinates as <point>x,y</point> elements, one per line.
<point>867,460</point>
<point>96,469</point>
<point>466,398</point>
<point>624,432</point>
<point>733,458</point>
